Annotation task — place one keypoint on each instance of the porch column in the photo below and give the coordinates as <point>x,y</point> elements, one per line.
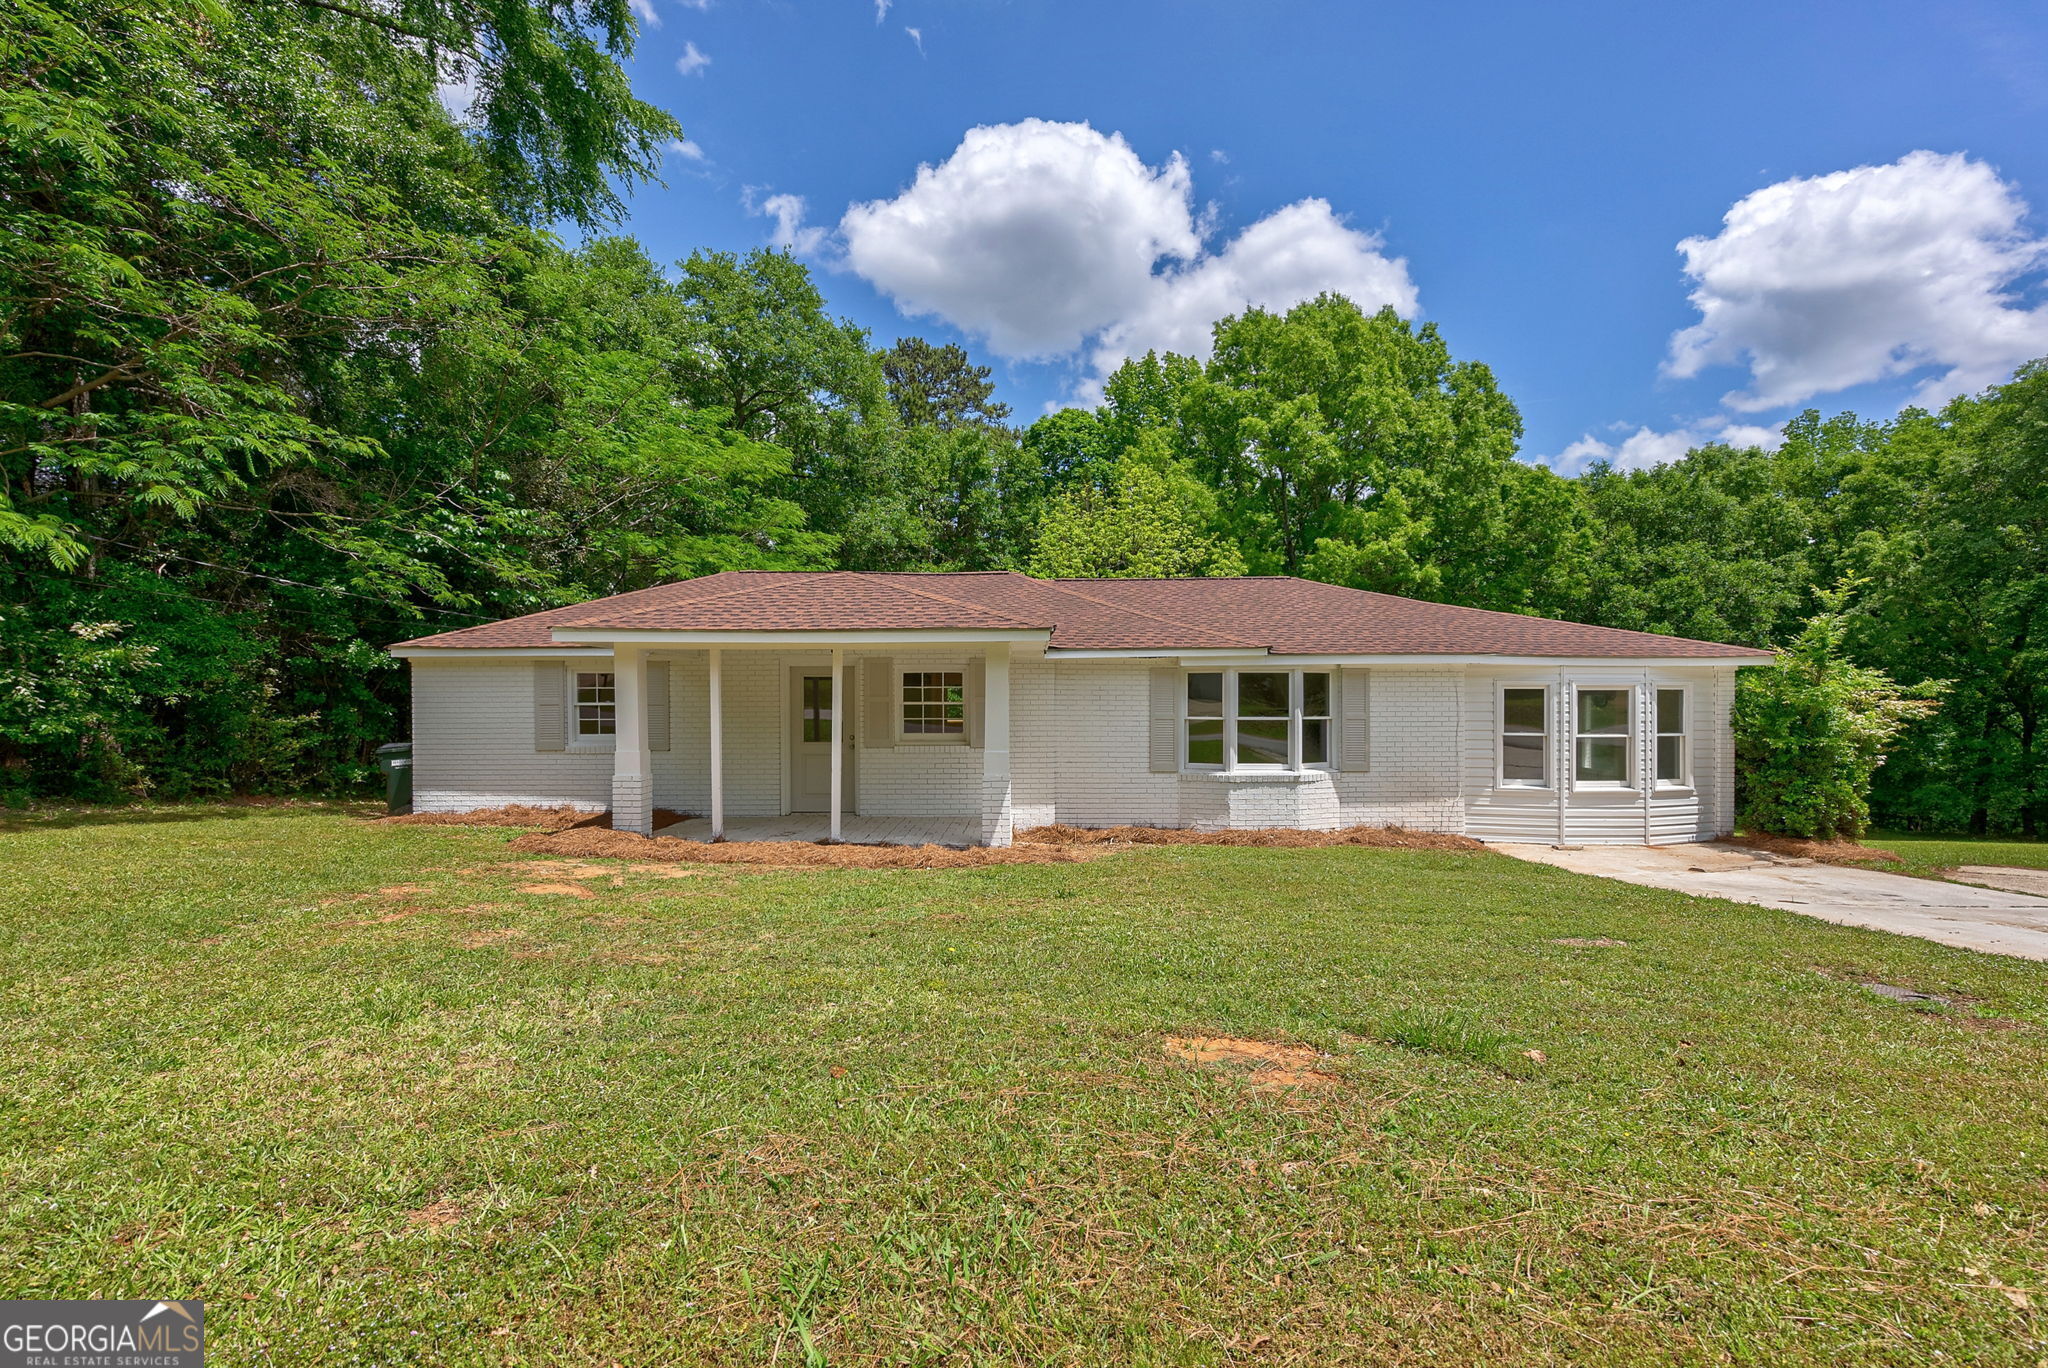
<point>632,781</point>
<point>840,712</point>
<point>717,747</point>
<point>995,755</point>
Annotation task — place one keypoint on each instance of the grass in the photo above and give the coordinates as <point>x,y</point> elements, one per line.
<point>376,1105</point>
<point>1928,855</point>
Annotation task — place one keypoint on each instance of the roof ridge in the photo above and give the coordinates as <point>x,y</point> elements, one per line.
<point>941,598</point>
<point>704,598</point>
<point>1060,587</point>
<point>1504,613</point>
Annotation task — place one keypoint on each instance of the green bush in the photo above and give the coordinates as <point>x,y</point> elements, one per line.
<point>1812,730</point>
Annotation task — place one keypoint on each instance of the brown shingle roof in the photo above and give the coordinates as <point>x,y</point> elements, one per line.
<point>1279,614</point>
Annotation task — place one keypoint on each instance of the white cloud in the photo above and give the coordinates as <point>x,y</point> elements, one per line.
<point>692,61</point>
<point>687,150</point>
<point>456,90</point>
<point>1645,448</point>
<point>1819,284</point>
<point>917,37</point>
<point>1051,239</point>
<point>881,10</point>
<point>790,233</point>
<point>645,9</point>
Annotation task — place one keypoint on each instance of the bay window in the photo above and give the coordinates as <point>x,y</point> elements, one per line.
<point>1602,739</point>
<point>1671,757</point>
<point>1257,719</point>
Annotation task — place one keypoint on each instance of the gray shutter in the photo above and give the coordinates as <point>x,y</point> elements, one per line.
<point>977,689</point>
<point>1355,750</point>
<point>657,705</point>
<point>1165,734</point>
<point>550,705</point>
<point>880,690</point>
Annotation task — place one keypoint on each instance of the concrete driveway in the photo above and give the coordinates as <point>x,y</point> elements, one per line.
<point>1999,921</point>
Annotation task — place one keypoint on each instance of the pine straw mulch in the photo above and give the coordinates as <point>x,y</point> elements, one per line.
<point>560,818</point>
<point>598,843</point>
<point>1820,852</point>
<point>1383,837</point>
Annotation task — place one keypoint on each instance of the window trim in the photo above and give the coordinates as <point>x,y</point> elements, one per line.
<point>1296,691</point>
<point>576,738</point>
<point>1630,737</point>
<point>897,704</point>
<point>1500,731</point>
<point>1684,735</point>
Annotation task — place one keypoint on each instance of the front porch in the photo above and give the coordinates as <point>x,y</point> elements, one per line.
<point>957,832</point>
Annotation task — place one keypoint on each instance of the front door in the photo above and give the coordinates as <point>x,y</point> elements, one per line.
<point>815,726</point>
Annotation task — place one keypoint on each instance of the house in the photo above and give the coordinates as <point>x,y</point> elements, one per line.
<point>983,703</point>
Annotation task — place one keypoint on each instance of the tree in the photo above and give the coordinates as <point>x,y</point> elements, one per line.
<point>1149,524</point>
<point>939,386</point>
<point>1812,730</point>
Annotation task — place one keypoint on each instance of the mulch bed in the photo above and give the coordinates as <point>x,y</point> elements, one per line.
<point>1821,852</point>
<point>562,818</point>
<point>598,843</point>
<point>1384,837</point>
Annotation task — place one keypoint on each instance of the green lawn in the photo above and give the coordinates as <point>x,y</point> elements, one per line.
<point>930,1117</point>
<point>1931,854</point>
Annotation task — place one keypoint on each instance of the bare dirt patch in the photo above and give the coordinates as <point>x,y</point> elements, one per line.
<point>477,940</point>
<point>589,843</point>
<point>561,818</point>
<point>1820,852</point>
<point>435,1215</point>
<point>1270,1064</point>
<point>557,890</point>
<point>1590,942</point>
<point>1387,837</point>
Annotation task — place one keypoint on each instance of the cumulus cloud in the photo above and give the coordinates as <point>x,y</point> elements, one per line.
<point>1645,447</point>
<point>687,150</point>
<point>790,233</point>
<point>1052,239</point>
<point>645,9</point>
<point>692,61</point>
<point>1819,284</point>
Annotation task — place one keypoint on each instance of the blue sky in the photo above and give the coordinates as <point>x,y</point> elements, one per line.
<point>1522,175</point>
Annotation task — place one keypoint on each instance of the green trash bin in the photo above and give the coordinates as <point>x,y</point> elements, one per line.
<point>395,759</point>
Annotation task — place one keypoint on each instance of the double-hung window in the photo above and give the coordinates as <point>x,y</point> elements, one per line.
<point>1257,719</point>
<point>1605,718</point>
<point>597,703</point>
<point>1671,756</point>
<point>1525,737</point>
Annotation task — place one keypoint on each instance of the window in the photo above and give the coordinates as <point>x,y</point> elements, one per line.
<point>1525,737</point>
<point>597,699</point>
<point>934,703</point>
<point>1603,733</point>
<point>1671,736</point>
<point>817,707</point>
<point>1269,719</point>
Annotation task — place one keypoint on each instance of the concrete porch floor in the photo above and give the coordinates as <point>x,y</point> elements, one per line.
<point>812,826</point>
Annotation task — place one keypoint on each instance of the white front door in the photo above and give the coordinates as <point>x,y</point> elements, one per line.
<point>815,725</point>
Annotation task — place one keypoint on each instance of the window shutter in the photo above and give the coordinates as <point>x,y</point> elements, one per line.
<point>550,705</point>
<point>657,705</point>
<point>881,692</point>
<point>977,679</point>
<point>1165,735</point>
<point>1355,748</point>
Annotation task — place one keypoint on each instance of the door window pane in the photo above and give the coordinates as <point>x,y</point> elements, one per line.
<point>818,707</point>
<point>1263,694</point>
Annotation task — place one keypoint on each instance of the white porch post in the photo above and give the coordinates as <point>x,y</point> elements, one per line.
<point>717,747</point>
<point>995,755</point>
<point>632,782</point>
<point>838,733</point>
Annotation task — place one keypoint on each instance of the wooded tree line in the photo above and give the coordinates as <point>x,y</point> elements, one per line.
<point>292,367</point>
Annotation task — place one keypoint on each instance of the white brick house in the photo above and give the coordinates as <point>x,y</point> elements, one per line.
<point>1009,702</point>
